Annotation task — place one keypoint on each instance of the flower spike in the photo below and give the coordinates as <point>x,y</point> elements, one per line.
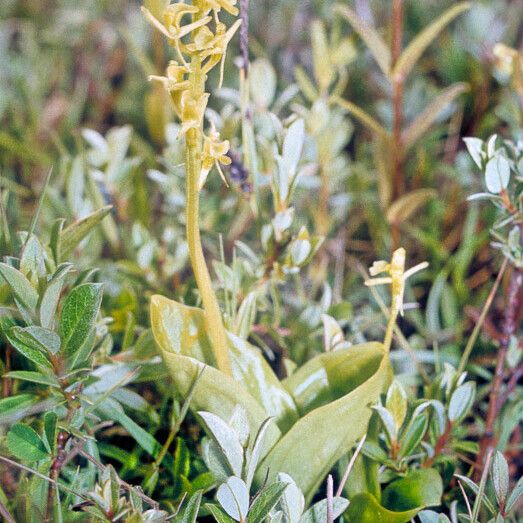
<point>397,276</point>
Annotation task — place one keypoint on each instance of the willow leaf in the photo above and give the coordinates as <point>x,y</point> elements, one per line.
<point>77,231</point>
<point>365,118</point>
<point>416,48</point>
<point>424,121</point>
<point>369,35</point>
<point>403,208</point>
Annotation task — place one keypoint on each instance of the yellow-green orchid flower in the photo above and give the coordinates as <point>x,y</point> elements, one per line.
<point>214,153</point>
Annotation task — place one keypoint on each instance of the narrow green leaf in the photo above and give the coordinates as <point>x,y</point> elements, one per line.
<point>34,377</point>
<point>22,342</point>
<point>424,121</point>
<point>500,477</point>
<point>365,118</point>
<point>370,36</point>
<point>20,286</point>
<point>76,232</point>
<point>516,493</point>
<point>218,514</point>
<point>265,502</point>
<point>51,429</point>
<point>190,512</point>
<point>51,295</point>
<point>13,404</point>
<point>25,444</point>
<point>415,49</point>
<point>404,207</point>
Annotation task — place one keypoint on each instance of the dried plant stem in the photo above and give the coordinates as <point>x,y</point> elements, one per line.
<point>398,179</point>
<point>350,466</point>
<point>488,441</point>
<point>330,495</point>
<point>481,490</point>
<point>193,158</point>
<point>5,514</point>
<point>481,320</point>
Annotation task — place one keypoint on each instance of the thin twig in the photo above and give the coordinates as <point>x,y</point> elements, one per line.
<point>350,465</point>
<point>43,476</point>
<point>121,482</point>
<point>481,490</point>
<point>244,35</point>
<point>488,441</point>
<point>398,179</point>
<point>178,423</point>
<point>477,328</point>
<point>465,497</point>
<point>5,514</point>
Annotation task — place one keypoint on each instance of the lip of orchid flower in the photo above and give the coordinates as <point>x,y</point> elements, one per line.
<point>218,5</point>
<point>174,79</point>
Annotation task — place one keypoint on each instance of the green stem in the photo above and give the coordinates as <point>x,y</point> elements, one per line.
<point>193,159</point>
<point>394,310</point>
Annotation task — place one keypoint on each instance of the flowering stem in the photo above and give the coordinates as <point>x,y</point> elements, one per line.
<point>394,311</point>
<point>193,159</point>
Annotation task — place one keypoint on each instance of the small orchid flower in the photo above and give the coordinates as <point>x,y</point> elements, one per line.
<point>172,26</point>
<point>192,111</point>
<point>214,154</point>
<point>174,79</point>
<point>397,276</point>
<point>215,52</point>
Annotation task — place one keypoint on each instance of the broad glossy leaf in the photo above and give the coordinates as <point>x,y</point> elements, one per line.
<point>419,489</point>
<point>364,508</point>
<point>330,375</point>
<point>340,387</point>
<point>179,332</point>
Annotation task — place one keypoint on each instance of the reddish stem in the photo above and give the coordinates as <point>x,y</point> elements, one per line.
<point>398,180</point>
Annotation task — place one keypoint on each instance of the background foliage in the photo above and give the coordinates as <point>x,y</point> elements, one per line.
<point>337,159</point>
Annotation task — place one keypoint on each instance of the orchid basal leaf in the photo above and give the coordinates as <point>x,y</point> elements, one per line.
<point>334,392</point>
